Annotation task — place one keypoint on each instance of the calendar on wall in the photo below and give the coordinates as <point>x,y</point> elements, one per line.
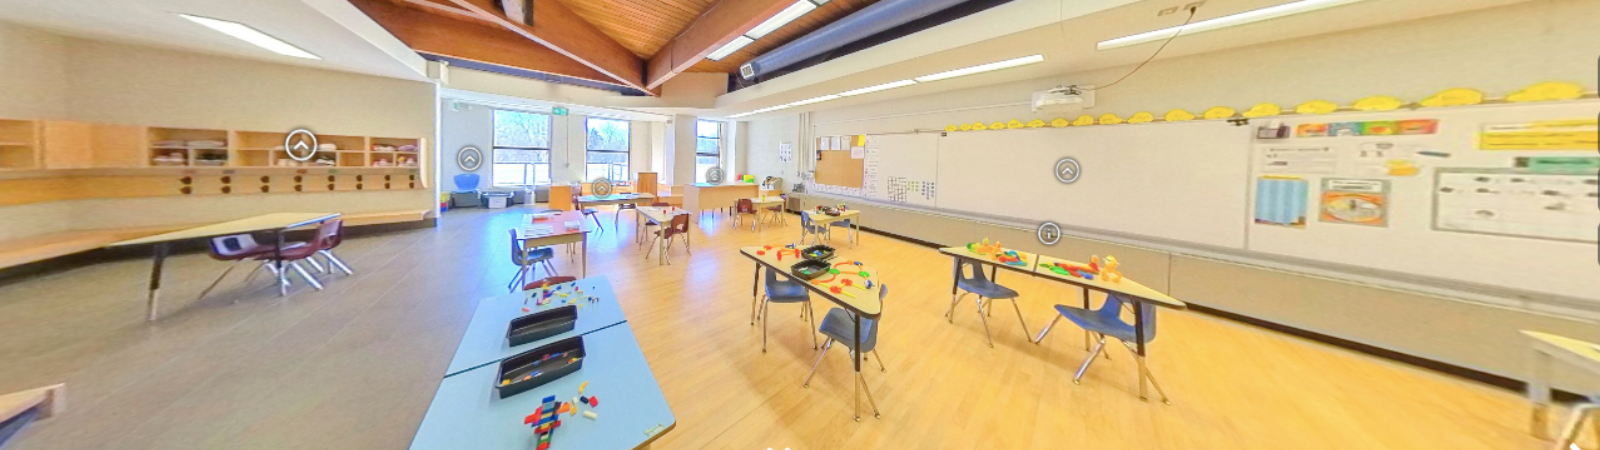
<point>1520,203</point>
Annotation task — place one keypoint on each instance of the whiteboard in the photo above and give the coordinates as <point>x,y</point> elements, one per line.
<point>903,168</point>
<point>1182,181</point>
<point>1410,242</point>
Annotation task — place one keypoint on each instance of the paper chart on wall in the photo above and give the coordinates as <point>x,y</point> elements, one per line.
<point>1575,134</point>
<point>1281,201</point>
<point>1301,159</point>
<point>1508,202</point>
<point>785,152</point>
<point>872,152</point>
<point>1355,202</point>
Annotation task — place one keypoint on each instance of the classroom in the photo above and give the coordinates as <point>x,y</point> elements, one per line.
<point>799,224</point>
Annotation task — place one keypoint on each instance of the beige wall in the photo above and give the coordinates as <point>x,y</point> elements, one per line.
<point>1498,50</point>
<point>44,76</point>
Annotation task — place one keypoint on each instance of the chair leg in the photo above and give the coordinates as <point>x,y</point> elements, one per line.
<point>764,319</point>
<point>651,247</point>
<point>333,260</point>
<point>300,269</point>
<point>1018,309</point>
<point>317,266</point>
<point>1046,330</point>
<point>521,271</point>
<point>1144,374</point>
<point>951,313</point>
<point>213,285</point>
<point>861,379</point>
<point>875,356</point>
<point>811,324</point>
<point>1098,349</point>
<point>825,346</point>
<point>982,303</point>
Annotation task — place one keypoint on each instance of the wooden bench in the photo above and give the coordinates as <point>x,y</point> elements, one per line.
<point>39,248</point>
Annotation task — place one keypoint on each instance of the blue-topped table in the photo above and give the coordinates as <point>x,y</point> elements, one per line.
<point>485,340</point>
<point>467,413</point>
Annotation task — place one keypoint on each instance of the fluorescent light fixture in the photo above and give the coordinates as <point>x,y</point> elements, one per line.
<point>1252,16</point>
<point>245,33</point>
<point>881,87</point>
<point>799,8</point>
<point>759,111</point>
<point>738,43</point>
<point>814,100</point>
<point>1023,61</point>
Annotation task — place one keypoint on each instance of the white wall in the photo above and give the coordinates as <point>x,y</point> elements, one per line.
<point>462,124</point>
<point>762,138</point>
<point>33,73</point>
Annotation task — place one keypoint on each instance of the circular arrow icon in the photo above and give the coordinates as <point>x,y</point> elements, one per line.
<point>301,144</point>
<point>1068,170</point>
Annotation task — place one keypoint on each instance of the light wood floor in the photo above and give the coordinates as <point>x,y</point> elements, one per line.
<point>354,367</point>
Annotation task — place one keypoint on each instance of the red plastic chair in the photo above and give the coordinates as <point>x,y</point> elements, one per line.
<point>745,207</point>
<point>333,242</point>
<point>236,248</point>
<point>324,239</point>
<point>678,226</point>
<point>777,211</point>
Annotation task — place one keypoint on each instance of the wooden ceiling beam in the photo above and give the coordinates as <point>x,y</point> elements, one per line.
<point>558,28</point>
<point>725,21</point>
<point>470,38</point>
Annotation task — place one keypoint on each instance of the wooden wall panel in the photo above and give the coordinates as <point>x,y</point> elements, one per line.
<point>67,145</point>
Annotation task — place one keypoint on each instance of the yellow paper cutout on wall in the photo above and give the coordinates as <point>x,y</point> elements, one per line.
<point>1454,97</point>
<point>1220,112</point>
<point>979,126</point>
<point>1378,103</point>
<point>997,126</point>
<point>1060,123</point>
<point>951,128</point>
<point>1547,91</point>
<point>1083,120</point>
<point>1142,117</point>
<point>1014,124</point>
<point>1178,115</point>
<point>1110,119</point>
<point>1317,107</point>
<point>966,127</point>
<point>1263,110</point>
<point>1036,123</point>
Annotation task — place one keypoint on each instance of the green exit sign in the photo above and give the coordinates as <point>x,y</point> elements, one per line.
<point>560,111</point>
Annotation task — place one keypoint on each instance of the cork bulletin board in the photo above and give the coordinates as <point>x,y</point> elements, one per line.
<point>837,168</point>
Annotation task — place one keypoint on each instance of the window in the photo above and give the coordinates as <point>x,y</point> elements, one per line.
<point>521,148</point>
<point>707,148</point>
<point>608,149</point>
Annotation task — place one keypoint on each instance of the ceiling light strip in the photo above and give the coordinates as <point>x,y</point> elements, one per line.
<point>1247,17</point>
<point>1023,61</point>
<point>246,33</point>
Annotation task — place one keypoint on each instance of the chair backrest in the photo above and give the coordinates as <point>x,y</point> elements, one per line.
<point>232,247</point>
<point>745,206</point>
<point>467,181</point>
<point>1111,312</point>
<point>516,247</point>
<point>962,264</point>
<point>327,234</point>
<point>338,233</point>
<point>680,224</point>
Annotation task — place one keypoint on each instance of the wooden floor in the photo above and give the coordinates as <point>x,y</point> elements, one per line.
<point>354,367</point>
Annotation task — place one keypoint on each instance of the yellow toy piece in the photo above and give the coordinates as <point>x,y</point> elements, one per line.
<point>1014,124</point>
<point>997,126</point>
<point>985,248</point>
<point>1378,103</point>
<point>1263,110</point>
<point>979,126</point>
<point>1142,117</point>
<point>1036,123</point>
<point>1060,123</point>
<point>1454,97</point>
<point>1178,115</point>
<point>1220,112</point>
<point>1317,107</point>
<point>1084,120</point>
<point>1110,119</point>
<point>1547,91</point>
<point>1109,272</point>
<point>951,128</point>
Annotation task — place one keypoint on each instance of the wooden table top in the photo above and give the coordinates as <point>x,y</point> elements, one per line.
<point>1125,287</point>
<point>557,223</point>
<point>1583,349</point>
<point>1029,259</point>
<point>15,403</point>
<point>819,217</point>
<point>855,297</point>
<point>766,201</point>
<point>276,221</point>
<point>661,215</point>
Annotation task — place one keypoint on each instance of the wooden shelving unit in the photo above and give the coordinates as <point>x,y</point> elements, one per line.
<point>19,144</point>
<point>172,147</point>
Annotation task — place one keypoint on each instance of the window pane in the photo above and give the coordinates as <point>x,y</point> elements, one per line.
<point>700,168</point>
<point>510,174</point>
<point>707,129</point>
<point>541,174</point>
<point>593,171</point>
<point>706,146</point>
<point>512,155</point>
<point>607,134</point>
<point>521,129</point>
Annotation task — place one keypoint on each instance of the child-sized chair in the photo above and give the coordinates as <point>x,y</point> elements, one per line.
<point>525,260</point>
<point>1107,321</point>
<point>678,226</point>
<point>744,207</point>
<point>987,292</point>
<point>788,290</point>
<point>840,326</point>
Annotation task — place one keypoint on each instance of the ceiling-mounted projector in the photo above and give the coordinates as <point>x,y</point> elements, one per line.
<point>1063,98</point>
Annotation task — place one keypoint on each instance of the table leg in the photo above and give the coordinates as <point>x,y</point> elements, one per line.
<point>586,256</point>
<point>1539,394</point>
<point>152,303</point>
<point>277,261</point>
<point>855,361</point>
<point>755,293</point>
<point>1085,308</point>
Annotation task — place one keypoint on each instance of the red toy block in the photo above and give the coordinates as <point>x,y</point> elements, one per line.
<point>594,402</point>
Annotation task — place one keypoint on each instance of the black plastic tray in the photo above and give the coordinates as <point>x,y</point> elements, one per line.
<point>541,325</point>
<point>822,253</point>
<point>808,269</point>
<point>559,363</point>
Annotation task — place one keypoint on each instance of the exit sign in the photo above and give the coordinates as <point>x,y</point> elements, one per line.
<point>560,111</point>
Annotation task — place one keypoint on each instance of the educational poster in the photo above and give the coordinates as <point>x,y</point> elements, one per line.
<point>785,152</point>
<point>1282,201</point>
<point>872,152</point>
<point>1406,127</point>
<point>1355,202</point>
<point>1522,203</point>
<point>1390,159</point>
<point>1304,159</point>
<point>904,190</point>
<point>1576,134</point>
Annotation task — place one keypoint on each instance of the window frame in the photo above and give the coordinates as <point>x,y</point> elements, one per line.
<point>530,177</point>
<point>700,175</point>
<point>627,152</point>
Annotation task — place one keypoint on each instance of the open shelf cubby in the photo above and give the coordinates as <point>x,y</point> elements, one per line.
<point>19,144</point>
<point>187,147</point>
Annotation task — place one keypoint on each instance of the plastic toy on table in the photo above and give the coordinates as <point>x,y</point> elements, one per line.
<point>1011,258</point>
<point>1110,272</point>
<point>985,248</point>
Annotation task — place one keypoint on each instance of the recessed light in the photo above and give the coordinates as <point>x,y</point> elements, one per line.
<point>814,100</point>
<point>729,48</point>
<point>245,33</point>
<point>1252,16</point>
<point>881,87</point>
<point>759,111</point>
<point>782,18</point>
<point>1023,61</point>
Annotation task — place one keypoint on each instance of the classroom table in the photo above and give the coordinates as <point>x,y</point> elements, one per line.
<point>20,409</point>
<point>1546,349</point>
<point>661,218</point>
<point>485,340</point>
<point>860,301</point>
<point>467,412</point>
<point>277,223</point>
<point>762,203</point>
<point>557,234</point>
<point>1126,289</point>
<point>614,199</point>
<point>820,219</point>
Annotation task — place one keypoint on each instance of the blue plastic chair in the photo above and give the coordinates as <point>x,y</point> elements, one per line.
<point>811,228</point>
<point>839,325</point>
<point>1107,321</point>
<point>849,232</point>
<point>467,181</point>
<point>787,290</point>
<point>987,292</point>
<point>525,260</point>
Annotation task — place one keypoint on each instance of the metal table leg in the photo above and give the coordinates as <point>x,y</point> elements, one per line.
<point>152,303</point>
<point>277,261</point>
<point>1539,394</point>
